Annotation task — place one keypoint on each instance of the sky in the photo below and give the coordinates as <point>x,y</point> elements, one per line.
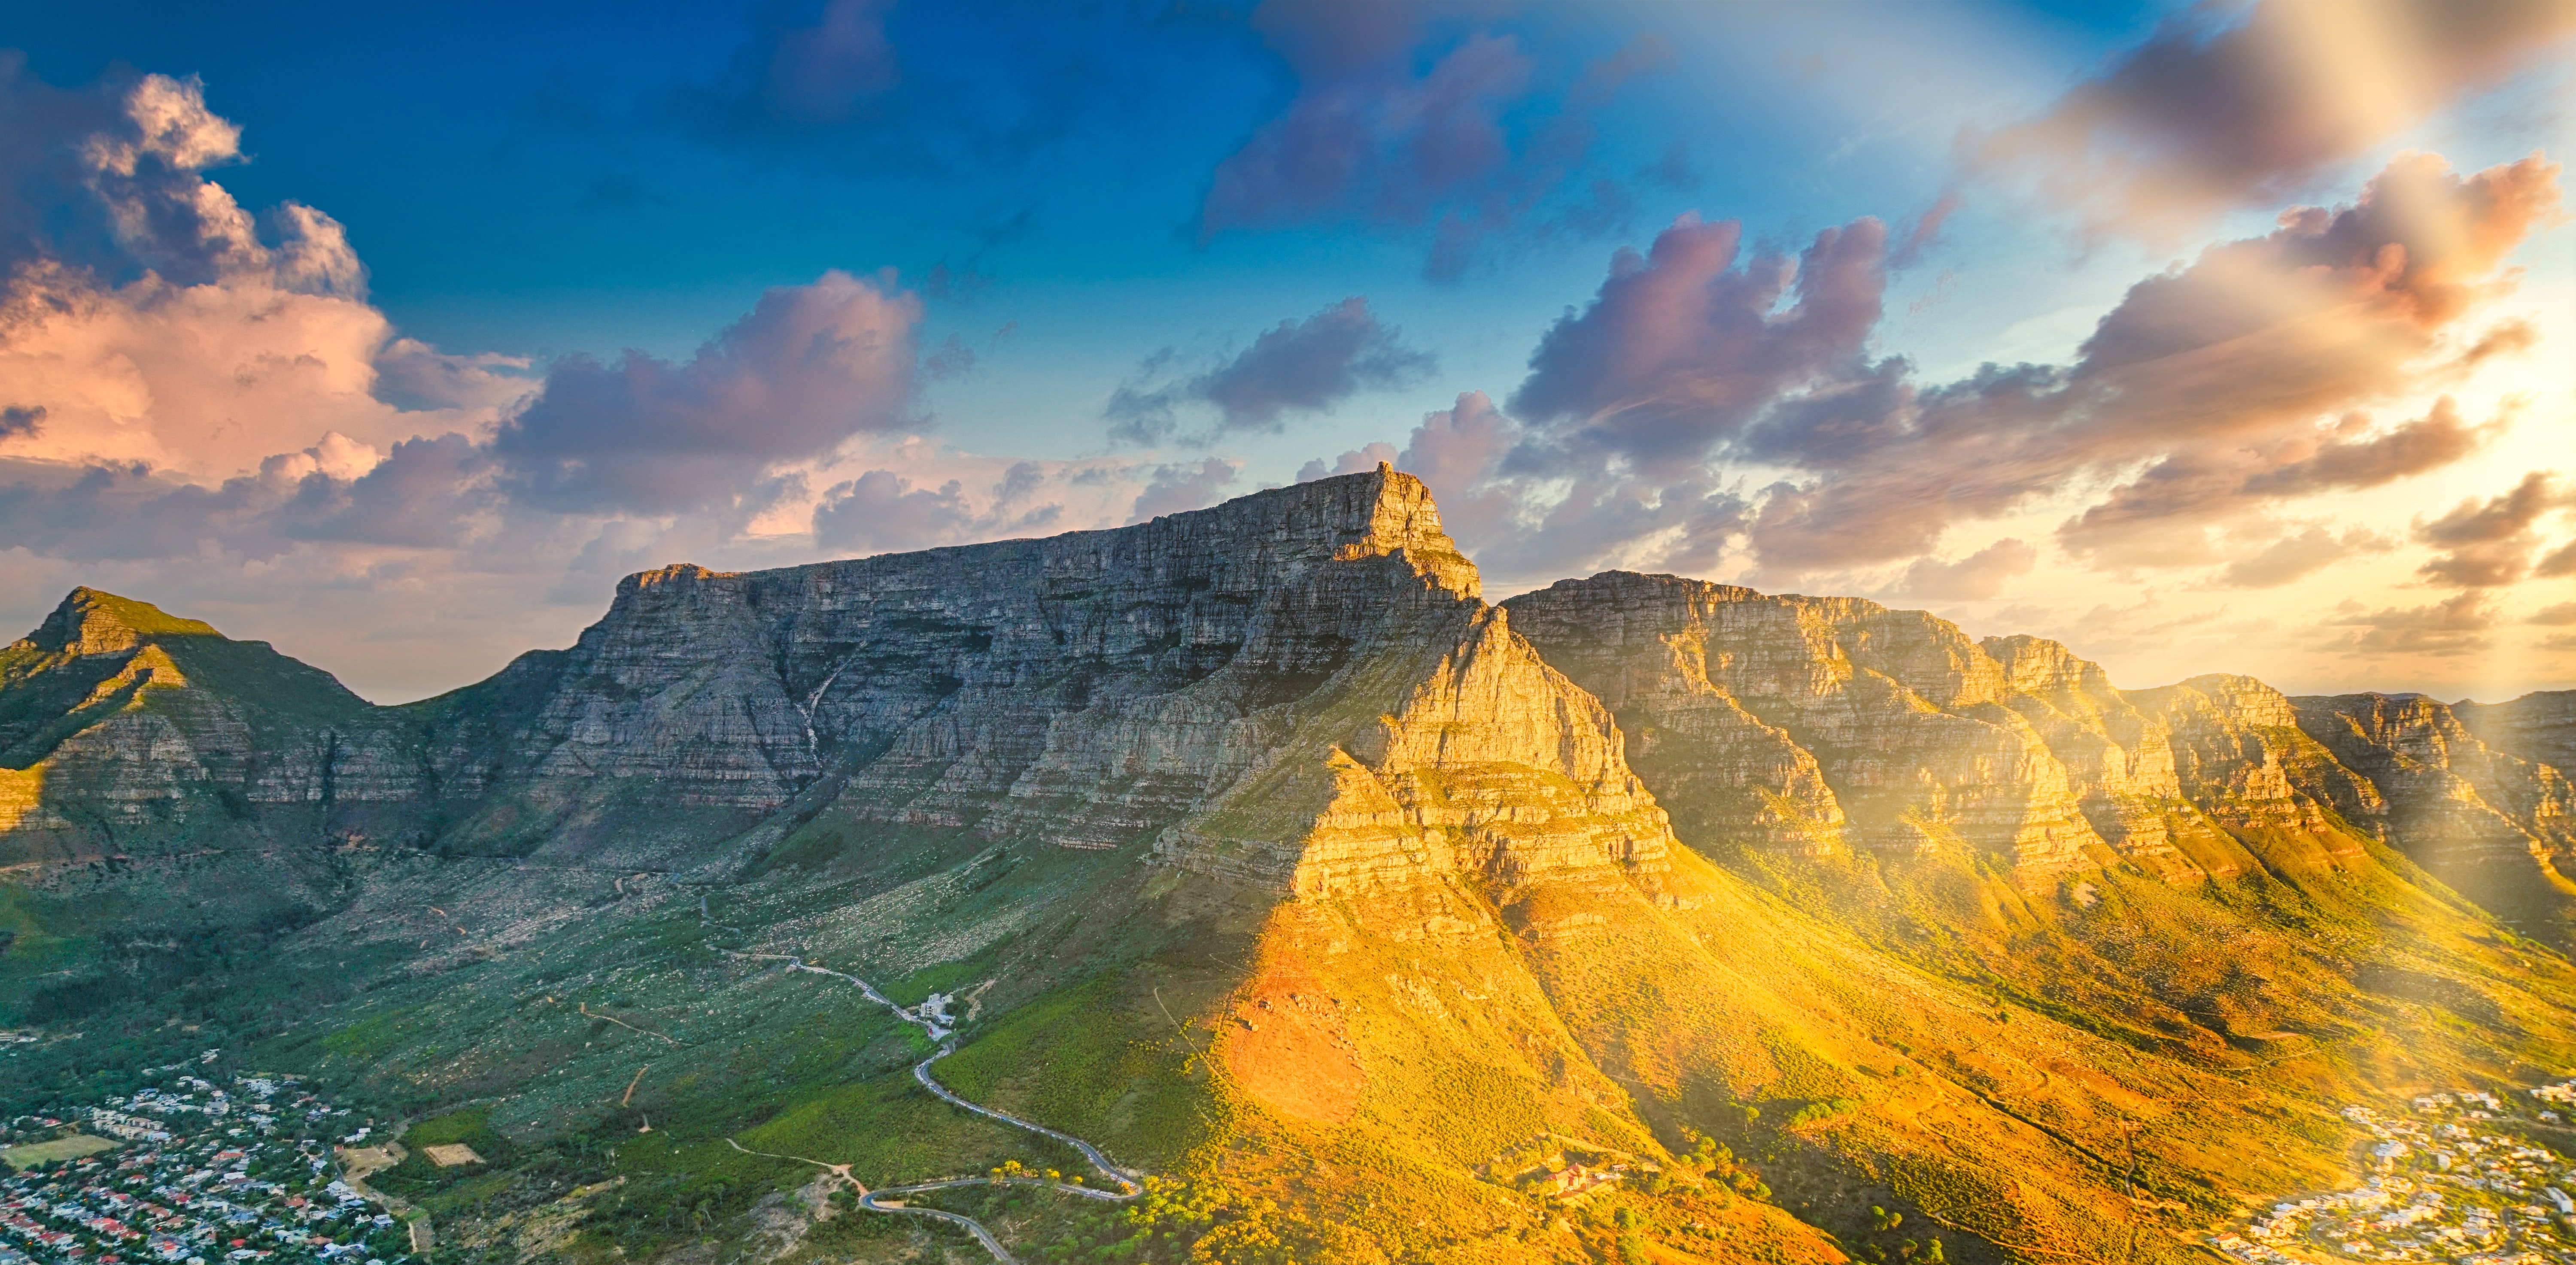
<point>2229,336</point>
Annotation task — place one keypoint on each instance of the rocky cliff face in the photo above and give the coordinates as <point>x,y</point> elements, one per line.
<point>1810,726</point>
<point>2539,727</point>
<point>127,731</point>
<point>2500,829</point>
<point>1307,670</point>
<point>1300,688</point>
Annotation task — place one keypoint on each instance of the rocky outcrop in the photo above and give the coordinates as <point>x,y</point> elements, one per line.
<point>1801,726</point>
<point>1246,683</point>
<point>1813,725</point>
<point>1478,760</point>
<point>2498,828</point>
<point>2539,727</point>
<point>128,731</point>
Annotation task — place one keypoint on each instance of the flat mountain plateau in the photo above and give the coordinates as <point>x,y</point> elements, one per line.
<point>1633,919</point>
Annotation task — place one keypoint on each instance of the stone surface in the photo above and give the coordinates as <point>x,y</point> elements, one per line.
<point>1813,725</point>
<point>2539,727</point>
<point>127,731</point>
<point>2498,828</point>
<point>1301,689</point>
<point>1810,726</point>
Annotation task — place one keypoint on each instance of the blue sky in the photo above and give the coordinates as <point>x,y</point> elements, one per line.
<point>1107,246</point>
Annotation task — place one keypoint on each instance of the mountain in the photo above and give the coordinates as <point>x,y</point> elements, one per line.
<point>1263,852</point>
<point>2539,727</point>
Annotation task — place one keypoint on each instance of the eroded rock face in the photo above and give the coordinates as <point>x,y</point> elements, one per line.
<point>2539,727</point>
<point>1814,725</point>
<point>128,731</point>
<point>2499,828</point>
<point>1808,726</point>
<point>1299,687</point>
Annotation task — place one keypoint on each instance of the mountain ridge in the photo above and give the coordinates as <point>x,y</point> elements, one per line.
<point>1283,864</point>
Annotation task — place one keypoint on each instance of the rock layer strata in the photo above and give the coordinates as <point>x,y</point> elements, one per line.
<point>1302,688</point>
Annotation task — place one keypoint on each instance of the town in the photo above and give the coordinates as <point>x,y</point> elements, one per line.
<point>2450,1179</point>
<point>191,1172</point>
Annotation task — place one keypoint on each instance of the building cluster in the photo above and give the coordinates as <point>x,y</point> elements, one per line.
<point>199,1174</point>
<point>2453,1178</point>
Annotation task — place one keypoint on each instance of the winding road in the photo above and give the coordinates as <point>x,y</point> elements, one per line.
<point>873,1200</point>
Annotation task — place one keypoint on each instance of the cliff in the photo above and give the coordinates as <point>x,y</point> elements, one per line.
<point>128,731</point>
<point>2500,829</point>
<point>1813,728</point>
<point>1259,848</point>
<point>2539,727</point>
<point>1281,674</point>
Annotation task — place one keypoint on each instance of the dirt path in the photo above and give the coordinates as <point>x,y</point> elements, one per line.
<point>928,1020</point>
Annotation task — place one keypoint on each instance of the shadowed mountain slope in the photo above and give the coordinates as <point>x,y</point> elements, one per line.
<point>1636,918</point>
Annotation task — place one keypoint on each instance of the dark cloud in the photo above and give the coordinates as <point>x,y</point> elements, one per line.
<point>1311,365</point>
<point>108,181</point>
<point>2558,562</point>
<point>2427,443</point>
<point>421,496</point>
<point>881,511</point>
<point>2299,555</point>
<point>1401,124</point>
<point>2453,626</point>
<point>972,87</point>
<point>2558,616</point>
<point>1525,527</point>
<point>426,494</point>
<point>810,367</point>
<point>1682,347</point>
<point>2201,392</point>
<point>1183,486</point>
<point>1979,576</point>
<point>1294,366</point>
<point>2158,517</point>
<point>21,419</point>
<point>2227,107</point>
<point>2483,544</point>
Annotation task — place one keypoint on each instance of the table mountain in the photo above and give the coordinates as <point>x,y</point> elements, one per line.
<point>1255,846</point>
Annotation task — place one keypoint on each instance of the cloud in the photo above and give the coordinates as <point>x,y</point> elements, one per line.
<point>1295,366</point>
<point>426,493</point>
<point>2557,562</point>
<point>1681,348</point>
<point>2226,106</point>
<point>2453,626</point>
<point>21,419</point>
<point>146,317</point>
<point>2210,396</point>
<point>1461,143</point>
<point>1978,577</point>
<point>1359,460</point>
<point>881,511</point>
<point>2160,517</point>
<point>2484,544</point>
<point>1528,527</point>
<point>2559,616</point>
<point>2299,555</point>
<point>1184,486</point>
<point>2208,380</point>
<point>867,87</point>
<point>810,367</point>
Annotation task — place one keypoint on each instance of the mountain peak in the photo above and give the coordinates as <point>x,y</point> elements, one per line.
<point>90,621</point>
